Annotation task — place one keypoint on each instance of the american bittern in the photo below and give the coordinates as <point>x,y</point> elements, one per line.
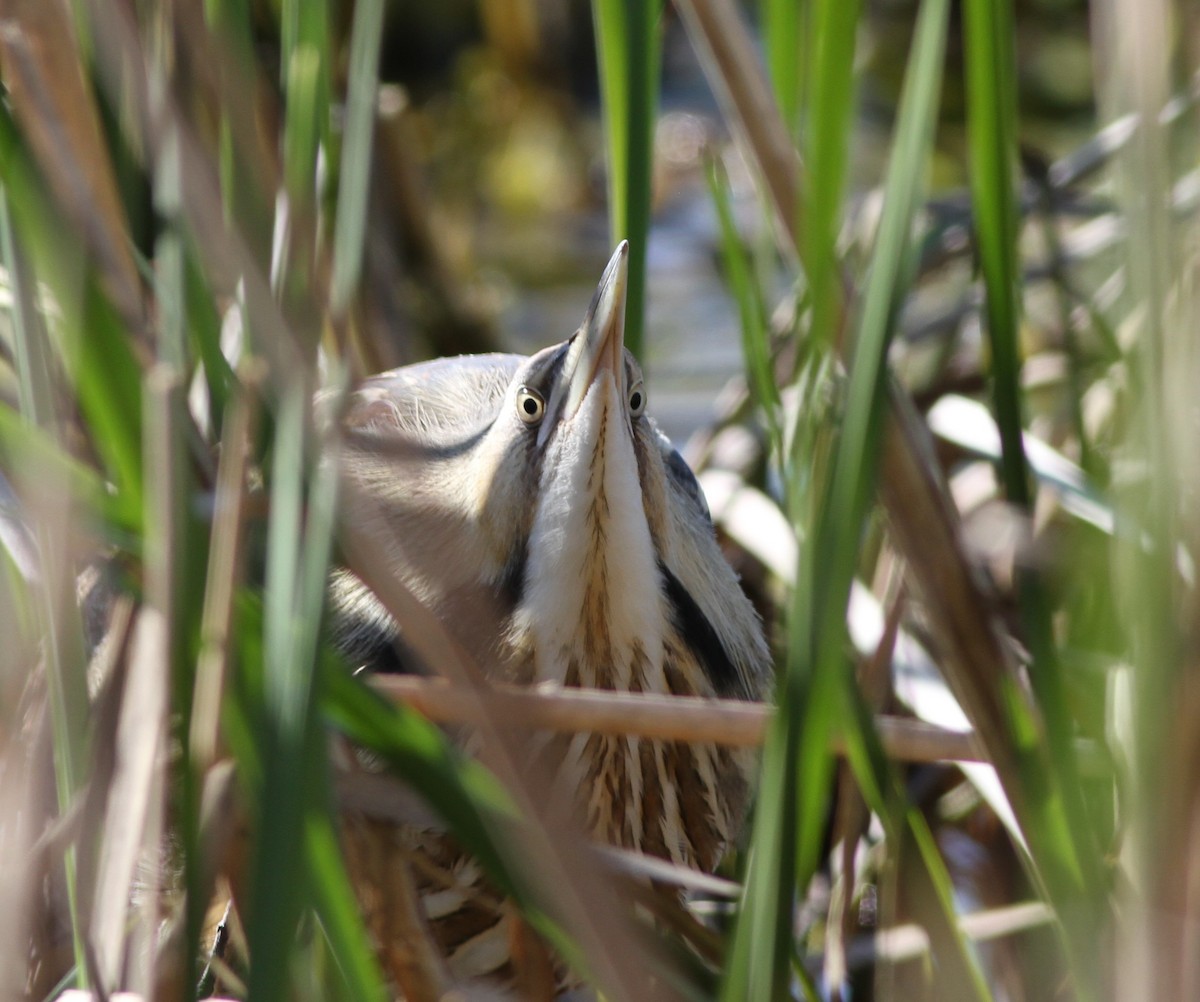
<point>536,507</point>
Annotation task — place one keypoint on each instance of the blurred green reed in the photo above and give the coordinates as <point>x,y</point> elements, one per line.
<point>816,696</point>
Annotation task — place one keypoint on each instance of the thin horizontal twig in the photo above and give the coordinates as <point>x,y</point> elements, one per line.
<point>637,864</point>
<point>902,943</point>
<point>666,718</point>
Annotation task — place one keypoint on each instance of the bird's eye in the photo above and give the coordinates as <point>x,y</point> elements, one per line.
<point>531,405</point>
<point>637,400</point>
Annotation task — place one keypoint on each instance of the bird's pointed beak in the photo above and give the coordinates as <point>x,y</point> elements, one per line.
<point>599,345</point>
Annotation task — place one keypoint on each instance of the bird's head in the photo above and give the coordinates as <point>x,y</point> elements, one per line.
<point>536,504</point>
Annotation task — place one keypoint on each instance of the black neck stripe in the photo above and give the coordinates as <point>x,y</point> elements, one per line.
<point>698,633</point>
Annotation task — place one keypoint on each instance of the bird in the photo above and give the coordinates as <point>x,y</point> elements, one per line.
<point>533,504</point>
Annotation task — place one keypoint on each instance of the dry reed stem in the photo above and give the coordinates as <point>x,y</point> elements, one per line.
<point>224,572</point>
<point>665,718</point>
<point>907,942</point>
<point>731,62</point>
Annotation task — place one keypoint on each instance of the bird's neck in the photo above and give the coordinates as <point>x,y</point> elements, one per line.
<point>592,606</point>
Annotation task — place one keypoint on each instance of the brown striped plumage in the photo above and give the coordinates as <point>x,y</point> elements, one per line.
<point>542,515</point>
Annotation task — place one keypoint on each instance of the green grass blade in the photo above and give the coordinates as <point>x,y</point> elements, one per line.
<point>30,342</point>
<point>108,382</point>
<point>302,131</point>
<point>1062,835</point>
<point>465,794</point>
<point>243,169</point>
<point>24,446</point>
<point>883,791</point>
<point>828,126</point>
<point>796,772</point>
<point>337,909</point>
<point>628,49</point>
<point>752,310</point>
<point>306,32</point>
<point>355,161</point>
<point>277,881</point>
<point>852,479</point>
<point>204,335</point>
<point>963,964</point>
<point>783,39</point>
<point>846,503</point>
<point>299,546</point>
<point>759,959</point>
<point>991,134</point>
<point>98,352</point>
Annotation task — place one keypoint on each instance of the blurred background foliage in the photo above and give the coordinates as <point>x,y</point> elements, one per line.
<point>920,307</point>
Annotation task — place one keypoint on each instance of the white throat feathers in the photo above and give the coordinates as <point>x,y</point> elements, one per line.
<point>592,600</point>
